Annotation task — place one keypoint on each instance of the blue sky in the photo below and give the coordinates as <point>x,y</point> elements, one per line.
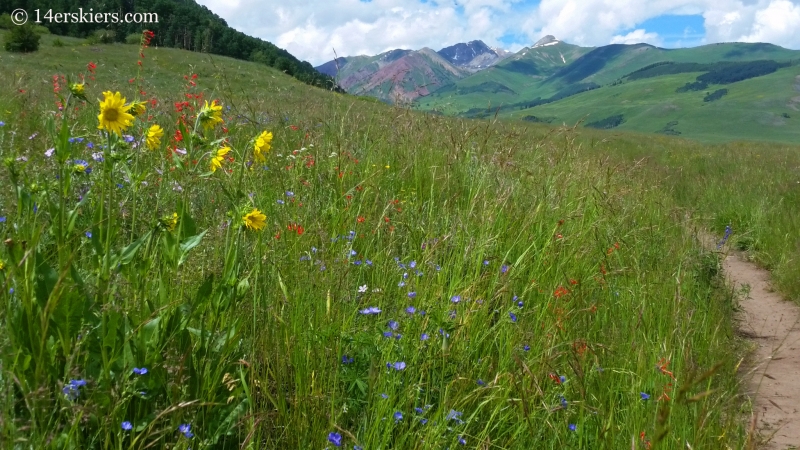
<point>313,29</point>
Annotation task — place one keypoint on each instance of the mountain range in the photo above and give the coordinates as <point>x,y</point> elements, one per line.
<point>405,75</point>
<point>709,92</point>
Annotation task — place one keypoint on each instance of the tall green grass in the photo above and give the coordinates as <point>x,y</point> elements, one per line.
<point>422,282</point>
<point>753,187</point>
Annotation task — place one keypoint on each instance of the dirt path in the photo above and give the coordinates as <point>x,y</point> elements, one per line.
<point>773,381</point>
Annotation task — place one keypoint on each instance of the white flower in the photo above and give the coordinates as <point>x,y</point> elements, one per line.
<point>362,289</point>
<point>49,152</point>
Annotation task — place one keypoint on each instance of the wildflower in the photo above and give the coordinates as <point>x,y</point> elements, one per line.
<point>114,116</point>
<point>412,294</point>
<point>400,365</point>
<point>362,289</point>
<point>49,152</point>
<point>728,231</point>
<point>513,317</point>
<point>401,284</point>
<point>644,395</point>
<point>77,89</point>
<point>454,415</point>
<point>455,298</point>
<point>421,420</point>
<point>140,371</point>
<point>186,429</point>
<point>346,359</point>
<point>424,337</point>
<point>210,115</point>
<point>254,220</point>
<point>387,334</point>
<point>138,108</point>
<point>527,348</point>
<point>154,135</point>
<point>335,438</point>
<point>564,402</point>
<point>481,382</point>
<point>504,268</point>
<point>398,416</point>
<point>262,146</point>
<point>560,292</point>
<point>393,325</point>
<point>370,311</point>
<point>170,221</point>
<point>81,166</point>
<point>462,441</point>
<point>384,396</point>
<point>127,426</point>
<point>216,161</point>
<point>573,427</point>
<point>2,264</point>
<point>411,310</point>
<point>71,389</point>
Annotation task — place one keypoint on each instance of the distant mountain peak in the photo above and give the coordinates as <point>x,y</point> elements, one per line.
<point>473,55</point>
<point>545,41</point>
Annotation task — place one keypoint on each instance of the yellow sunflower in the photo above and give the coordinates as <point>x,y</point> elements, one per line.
<point>254,220</point>
<point>216,161</point>
<point>154,135</point>
<point>114,116</point>
<point>262,146</point>
<point>210,115</point>
<point>170,221</point>
<point>138,108</point>
<point>77,89</point>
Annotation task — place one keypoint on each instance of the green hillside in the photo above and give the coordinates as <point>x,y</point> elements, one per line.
<point>256,263</point>
<point>762,108</point>
<point>183,24</point>
<point>634,87</point>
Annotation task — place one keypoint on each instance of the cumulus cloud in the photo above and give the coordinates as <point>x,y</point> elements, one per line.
<point>636,37</point>
<point>773,21</point>
<point>311,29</point>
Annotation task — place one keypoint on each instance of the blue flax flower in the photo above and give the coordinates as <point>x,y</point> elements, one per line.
<point>186,430</point>
<point>335,438</point>
<point>127,426</point>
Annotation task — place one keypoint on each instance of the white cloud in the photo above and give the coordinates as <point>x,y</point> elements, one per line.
<point>773,21</point>
<point>310,29</point>
<point>636,37</point>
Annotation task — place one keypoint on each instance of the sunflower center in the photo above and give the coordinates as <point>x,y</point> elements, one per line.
<point>111,115</point>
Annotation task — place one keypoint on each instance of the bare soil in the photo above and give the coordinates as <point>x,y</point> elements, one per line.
<point>772,324</point>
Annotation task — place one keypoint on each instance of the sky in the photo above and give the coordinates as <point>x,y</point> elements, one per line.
<point>312,30</point>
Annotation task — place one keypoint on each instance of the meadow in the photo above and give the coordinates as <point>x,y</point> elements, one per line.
<point>286,267</point>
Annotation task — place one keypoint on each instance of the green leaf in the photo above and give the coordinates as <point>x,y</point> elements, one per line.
<point>73,214</point>
<point>46,279</point>
<point>130,251</point>
<point>188,244</point>
<point>186,224</point>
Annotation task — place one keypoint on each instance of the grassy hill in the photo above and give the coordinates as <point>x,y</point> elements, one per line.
<point>414,280</point>
<point>634,86</point>
<point>762,108</point>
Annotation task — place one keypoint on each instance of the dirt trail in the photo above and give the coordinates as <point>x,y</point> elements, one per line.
<point>773,379</point>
